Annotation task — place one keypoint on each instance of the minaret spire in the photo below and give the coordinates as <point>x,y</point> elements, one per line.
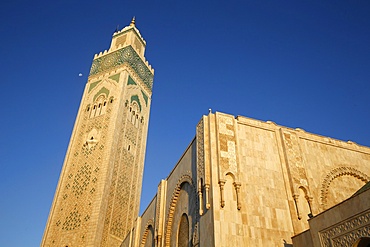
<point>132,21</point>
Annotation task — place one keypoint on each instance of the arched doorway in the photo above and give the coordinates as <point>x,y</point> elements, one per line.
<point>362,242</point>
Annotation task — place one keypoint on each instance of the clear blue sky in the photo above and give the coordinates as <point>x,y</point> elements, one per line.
<point>300,64</point>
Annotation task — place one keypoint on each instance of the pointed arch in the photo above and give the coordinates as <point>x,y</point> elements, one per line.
<point>148,237</point>
<point>186,178</point>
<point>336,173</point>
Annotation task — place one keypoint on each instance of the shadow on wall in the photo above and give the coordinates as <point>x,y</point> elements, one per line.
<point>286,244</point>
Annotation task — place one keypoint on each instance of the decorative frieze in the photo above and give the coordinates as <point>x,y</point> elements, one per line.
<point>348,232</point>
<point>119,57</point>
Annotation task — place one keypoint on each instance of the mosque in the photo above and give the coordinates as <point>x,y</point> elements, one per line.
<point>240,182</point>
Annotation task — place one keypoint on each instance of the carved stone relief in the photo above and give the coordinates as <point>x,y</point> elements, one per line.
<point>348,232</point>
<point>336,173</point>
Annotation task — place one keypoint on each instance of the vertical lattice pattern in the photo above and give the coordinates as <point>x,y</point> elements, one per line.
<point>124,191</point>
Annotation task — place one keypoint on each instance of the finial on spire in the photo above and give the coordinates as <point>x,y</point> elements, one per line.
<point>132,21</point>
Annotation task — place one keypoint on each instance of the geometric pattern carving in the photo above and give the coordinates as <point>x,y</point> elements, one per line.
<point>124,190</point>
<point>73,220</point>
<point>117,226</point>
<point>338,172</point>
<point>119,57</point>
<point>200,150</point>
<point>295,162</point>
<point>350,238</point>
<point>81,180</point>
<point>348,232</point>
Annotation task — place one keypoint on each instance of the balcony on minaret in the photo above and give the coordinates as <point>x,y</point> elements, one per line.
<point>129,35</point>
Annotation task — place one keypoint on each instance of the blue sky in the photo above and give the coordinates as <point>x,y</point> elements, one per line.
<point>300,64</point>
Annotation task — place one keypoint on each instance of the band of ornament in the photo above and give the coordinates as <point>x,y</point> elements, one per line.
<point>119,57</point>
<point>346,233</point>
<point>200,149</point>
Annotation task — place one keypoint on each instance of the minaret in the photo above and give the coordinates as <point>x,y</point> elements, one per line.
<point>98,195</point>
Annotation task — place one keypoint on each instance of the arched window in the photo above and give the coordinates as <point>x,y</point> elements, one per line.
<point>99,107</point>
<point>133,116</point>
<point>183,238</point>
<point>149,238</point>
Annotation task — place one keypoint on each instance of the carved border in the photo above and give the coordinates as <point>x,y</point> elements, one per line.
<point>347,231</point>
<point>186,178</point>
<point>350,238</point>
<point>200,149</point>
<point>145,235</point>
<point>338,172</point>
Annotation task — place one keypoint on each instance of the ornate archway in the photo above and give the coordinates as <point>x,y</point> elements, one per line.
<point>336,173</point>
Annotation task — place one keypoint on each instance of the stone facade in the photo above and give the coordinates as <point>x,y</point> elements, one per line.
<point>98,195</point>
<point>244,182</point>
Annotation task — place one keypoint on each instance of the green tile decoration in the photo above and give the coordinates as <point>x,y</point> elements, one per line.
<point>130,81</point>
<point>93,84</point>
<point>125,55</point>
<point>103,90</point>
<point>136,98</point>
<point>115,77</point>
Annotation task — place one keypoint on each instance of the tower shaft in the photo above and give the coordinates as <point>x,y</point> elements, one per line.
<point>98,195</point>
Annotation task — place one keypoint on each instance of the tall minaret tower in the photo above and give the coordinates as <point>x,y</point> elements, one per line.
<point>98,195</point>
